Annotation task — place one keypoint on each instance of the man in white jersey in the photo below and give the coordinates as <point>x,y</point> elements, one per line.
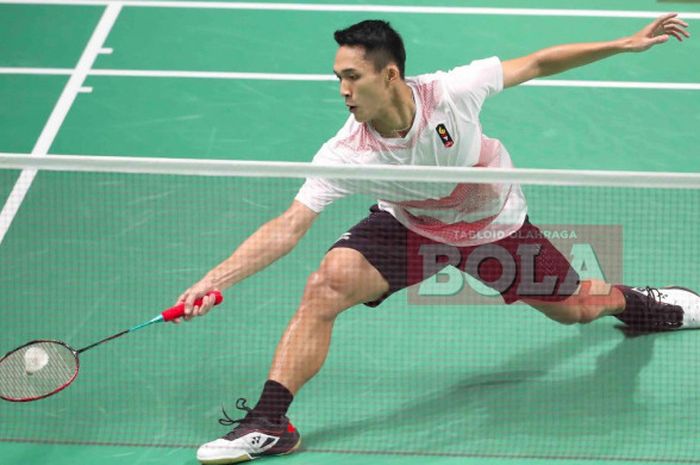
<point>427,120</point>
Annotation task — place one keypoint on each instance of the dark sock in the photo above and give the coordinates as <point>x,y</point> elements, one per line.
<point>633,314</point>
<point>274,400</point>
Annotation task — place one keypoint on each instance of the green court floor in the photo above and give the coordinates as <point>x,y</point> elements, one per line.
<point>406,383</point>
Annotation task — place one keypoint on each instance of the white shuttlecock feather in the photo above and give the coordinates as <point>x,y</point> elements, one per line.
<point>35,358</point>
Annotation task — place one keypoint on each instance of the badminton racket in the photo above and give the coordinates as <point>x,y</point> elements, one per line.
<point>43,367</point>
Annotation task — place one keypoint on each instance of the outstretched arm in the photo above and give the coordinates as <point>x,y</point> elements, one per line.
<point>270,242</point>
<point>560,58</point>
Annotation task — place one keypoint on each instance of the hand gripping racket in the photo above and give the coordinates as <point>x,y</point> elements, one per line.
<point>43,367</point>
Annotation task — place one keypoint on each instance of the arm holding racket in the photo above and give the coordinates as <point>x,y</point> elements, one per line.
<point>271,241</point>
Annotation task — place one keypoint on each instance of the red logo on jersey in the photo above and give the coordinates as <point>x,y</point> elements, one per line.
<point>444,135</point>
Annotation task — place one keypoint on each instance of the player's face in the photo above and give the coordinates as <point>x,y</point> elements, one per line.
<point>364,90</point>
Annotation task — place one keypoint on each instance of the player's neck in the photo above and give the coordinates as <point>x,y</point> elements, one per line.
<point>398,118</point>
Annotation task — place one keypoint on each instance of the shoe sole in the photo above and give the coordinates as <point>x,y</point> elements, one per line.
<point>243,458</point>
<point>247,458</point>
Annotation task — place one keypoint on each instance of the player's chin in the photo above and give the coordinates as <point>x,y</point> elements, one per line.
<point>360,116</point>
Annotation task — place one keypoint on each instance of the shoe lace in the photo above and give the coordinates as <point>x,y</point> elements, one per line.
<point>654,295</point>
<point>240,405</point>
<point>660,314</point>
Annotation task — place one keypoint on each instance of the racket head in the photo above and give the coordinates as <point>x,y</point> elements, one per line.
<point>48,368</point>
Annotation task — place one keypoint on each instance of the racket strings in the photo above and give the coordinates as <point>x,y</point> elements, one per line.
<point>21,380</point>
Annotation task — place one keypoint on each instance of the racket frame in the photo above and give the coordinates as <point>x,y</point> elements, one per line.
<point>60,388</point>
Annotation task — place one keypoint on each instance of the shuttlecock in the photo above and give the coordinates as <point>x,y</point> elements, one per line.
<point>35,358</point>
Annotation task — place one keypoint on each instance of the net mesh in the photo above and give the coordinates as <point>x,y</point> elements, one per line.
<point>441,369</point>
<point>36,370</point>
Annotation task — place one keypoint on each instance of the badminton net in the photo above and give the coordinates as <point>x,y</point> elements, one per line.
<point>441,369</point>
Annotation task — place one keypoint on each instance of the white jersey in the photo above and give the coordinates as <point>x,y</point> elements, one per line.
<point>445,132</point>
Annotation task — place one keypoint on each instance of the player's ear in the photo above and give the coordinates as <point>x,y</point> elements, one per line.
<point>392,73</point>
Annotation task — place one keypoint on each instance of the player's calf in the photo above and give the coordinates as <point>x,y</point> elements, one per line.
<point>592,300</point>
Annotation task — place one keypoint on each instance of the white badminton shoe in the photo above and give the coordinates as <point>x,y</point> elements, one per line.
<point>666,308</point>
<point>253,437</point>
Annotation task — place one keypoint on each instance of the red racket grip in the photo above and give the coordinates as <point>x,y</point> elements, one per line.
<point>179,310</point>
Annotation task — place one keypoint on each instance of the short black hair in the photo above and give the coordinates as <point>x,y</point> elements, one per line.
<point>381,42</point>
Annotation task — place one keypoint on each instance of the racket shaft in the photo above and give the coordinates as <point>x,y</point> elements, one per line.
<point>168,315</point>
<point>114,336</point>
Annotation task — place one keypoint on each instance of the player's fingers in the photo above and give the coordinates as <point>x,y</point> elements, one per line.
<point>189,304</point>
<point>202,308</point>
<point>207,304</point>
<point>676,35</point>
<point>676,29</point>
<point>182,299</point>
<point>677,21</point>
<point>191,315</point>
<point>657,24</point>
<point>663,18</point>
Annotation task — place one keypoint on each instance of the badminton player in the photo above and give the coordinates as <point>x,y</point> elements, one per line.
<point>431,119</point>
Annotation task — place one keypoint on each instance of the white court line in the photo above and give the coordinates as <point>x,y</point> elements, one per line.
<point>58,115</point>
<point>613,84</point>
<point>213,75</point>
<point>446,10</point>
<point>331,77</point>
<point>41,71</point>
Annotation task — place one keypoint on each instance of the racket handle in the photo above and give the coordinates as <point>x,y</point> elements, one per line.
<point>179,310</point>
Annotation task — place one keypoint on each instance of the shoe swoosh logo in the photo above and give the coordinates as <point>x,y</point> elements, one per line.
<point>269,442</point>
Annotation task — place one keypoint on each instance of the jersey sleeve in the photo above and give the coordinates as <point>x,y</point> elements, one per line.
<point>318,193</point>
<point>470,85</point>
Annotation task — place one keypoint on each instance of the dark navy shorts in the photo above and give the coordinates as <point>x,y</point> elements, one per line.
<point>524,264</point>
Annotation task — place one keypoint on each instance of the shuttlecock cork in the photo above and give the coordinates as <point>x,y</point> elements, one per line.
<point>35,358</point>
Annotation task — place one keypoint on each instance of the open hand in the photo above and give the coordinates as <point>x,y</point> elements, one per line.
<point>658,32</point>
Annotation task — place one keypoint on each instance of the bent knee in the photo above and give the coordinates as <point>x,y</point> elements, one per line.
<point>344,279</point>
<point>329,283</point>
